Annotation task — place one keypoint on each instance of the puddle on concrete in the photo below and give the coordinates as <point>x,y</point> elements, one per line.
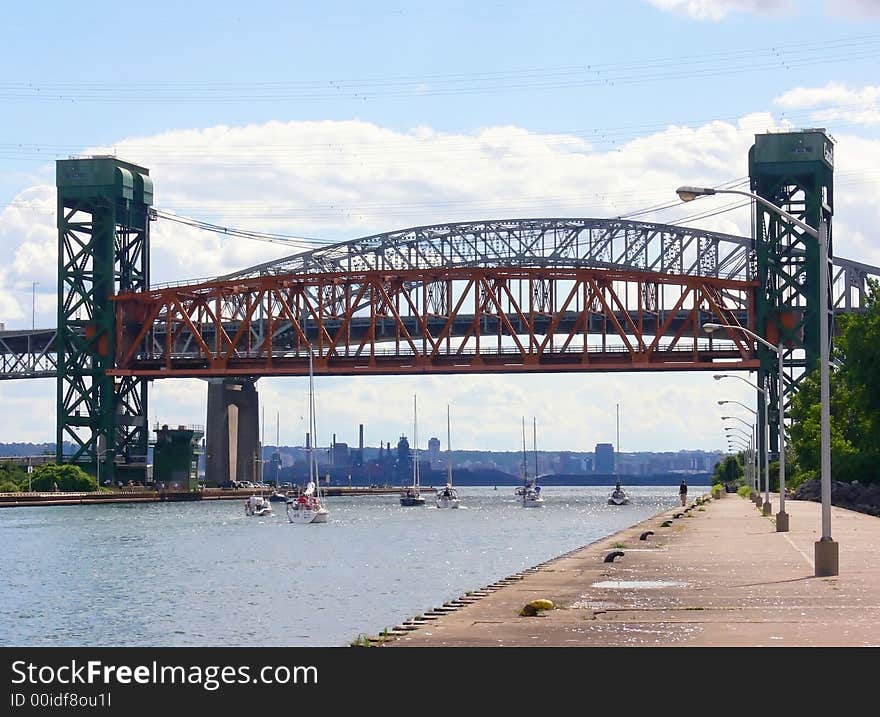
<point>639,584</point>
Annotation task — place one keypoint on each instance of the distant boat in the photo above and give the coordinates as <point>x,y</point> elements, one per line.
<point>618,496</point>
<point>412,496</point>
<point>309,507</point>
<point>257,505</point>
<point>530,491</point>
<point>448,498</point>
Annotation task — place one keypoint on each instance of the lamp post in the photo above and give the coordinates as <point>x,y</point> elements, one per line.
<point>766,508</point>
<point>730,435</point>
<point>33,324</point>
<point>99,454</point>
<point>826,553</point>
<point>751,431</point>
<point>756,492</point>
<point>745,448</point>
<point>781,516</point>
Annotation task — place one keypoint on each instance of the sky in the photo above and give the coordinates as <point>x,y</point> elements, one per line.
<point>340,119</point>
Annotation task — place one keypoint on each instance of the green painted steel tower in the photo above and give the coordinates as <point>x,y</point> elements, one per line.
<point>103,249</point>
<point>794,171</point>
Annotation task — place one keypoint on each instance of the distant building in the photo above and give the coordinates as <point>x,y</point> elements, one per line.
<point>434,451</point>
<point>340,455</point>
<point>604,458</point>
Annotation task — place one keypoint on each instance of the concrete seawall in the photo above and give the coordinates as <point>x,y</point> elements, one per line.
<point>717,575</point>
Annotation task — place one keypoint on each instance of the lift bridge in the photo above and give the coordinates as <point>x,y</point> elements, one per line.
<point>498,296</point>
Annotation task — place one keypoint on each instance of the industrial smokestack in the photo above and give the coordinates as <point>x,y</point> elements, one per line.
<point>361,439</point>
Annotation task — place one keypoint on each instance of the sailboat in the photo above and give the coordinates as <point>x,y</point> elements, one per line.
<point>413,495</point>
<point>618,496</point>
<point>257,505</point>
<point>448,498</point>
<point>530,491</point>
<point>309,506</point>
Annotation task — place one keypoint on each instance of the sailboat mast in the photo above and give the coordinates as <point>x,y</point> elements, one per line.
<point>535,444</point>
<point>525,469</point>
<point>311,418</point>
<point>277,445</point>
<point>415,444</point>
<point>448,448</point>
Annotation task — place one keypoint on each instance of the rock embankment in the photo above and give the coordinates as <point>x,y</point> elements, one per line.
<point>852,496</point>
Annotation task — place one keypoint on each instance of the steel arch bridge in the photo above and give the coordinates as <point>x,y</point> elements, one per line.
<point>518,295</point>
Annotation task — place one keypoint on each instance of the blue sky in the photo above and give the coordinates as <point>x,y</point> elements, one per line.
<point>341,119</point>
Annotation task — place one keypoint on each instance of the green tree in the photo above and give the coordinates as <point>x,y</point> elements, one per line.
<point>12,477</point>
<point>728,470</point>
<point>855,403</point>
<point>66,477</point>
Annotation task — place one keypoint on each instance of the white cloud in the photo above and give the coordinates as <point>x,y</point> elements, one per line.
<point>716,10</point>
<point>853,8</point>
<point>341,180</point>
<point>835,103</point>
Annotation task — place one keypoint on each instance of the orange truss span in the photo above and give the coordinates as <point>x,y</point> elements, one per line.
<point>454,320</point>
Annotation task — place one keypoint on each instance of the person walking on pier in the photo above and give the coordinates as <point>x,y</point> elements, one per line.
<point>683,492</point>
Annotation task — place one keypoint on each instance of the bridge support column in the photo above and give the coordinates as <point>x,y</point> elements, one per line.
<point>232,431</point>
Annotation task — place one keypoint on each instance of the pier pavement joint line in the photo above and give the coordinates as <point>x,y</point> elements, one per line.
<point>805,556</point>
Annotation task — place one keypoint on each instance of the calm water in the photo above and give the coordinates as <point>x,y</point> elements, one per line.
<point>193,574</point>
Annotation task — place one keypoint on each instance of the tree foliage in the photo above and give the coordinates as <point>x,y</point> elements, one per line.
<point>855,403</point>
<point>12,477</point>
<point>728,470</point>
<point>65,477</point>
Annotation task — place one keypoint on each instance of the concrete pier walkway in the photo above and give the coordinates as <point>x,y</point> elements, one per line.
<point>718,575</point>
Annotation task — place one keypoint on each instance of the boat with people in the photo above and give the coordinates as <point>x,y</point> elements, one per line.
<point>257,505</point>
<point>412,496</point>
<point>308,507</point>
<point>530,492</point>
<point>618,496</point>
<point>448,498</point>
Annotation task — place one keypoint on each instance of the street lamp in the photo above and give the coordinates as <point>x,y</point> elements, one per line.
<point>766,508</point>
<point>781,516</point>
<point>751,430</point>
<point>755,496</point>
<point>100,453</point>
<point>736,444</point>
<point>826,554</point>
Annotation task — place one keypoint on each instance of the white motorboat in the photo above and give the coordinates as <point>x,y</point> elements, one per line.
<point>309,508</point>
<point>257,505</point>
<point>448,498</point>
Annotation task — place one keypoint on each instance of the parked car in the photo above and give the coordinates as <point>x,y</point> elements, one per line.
<point>230,485</point>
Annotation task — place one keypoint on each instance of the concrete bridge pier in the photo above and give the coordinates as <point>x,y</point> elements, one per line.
<point>232,431</point>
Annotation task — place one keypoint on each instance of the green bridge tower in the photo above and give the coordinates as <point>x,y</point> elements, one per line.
<point>103,249</point>
<point>794,171</point>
